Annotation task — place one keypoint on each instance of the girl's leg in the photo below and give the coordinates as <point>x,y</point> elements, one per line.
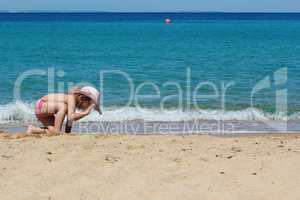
<point>54,124</point>
<point>47,121</point>
<point>35,130</point>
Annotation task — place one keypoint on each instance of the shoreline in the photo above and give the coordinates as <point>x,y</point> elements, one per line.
<point>197,127</point>
<point>144,167</point>
<point>21,135</point>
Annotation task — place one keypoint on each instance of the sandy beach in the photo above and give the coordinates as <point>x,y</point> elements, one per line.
<point>150,167</point>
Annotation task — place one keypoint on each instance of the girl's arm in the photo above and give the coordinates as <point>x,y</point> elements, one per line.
<point>59,119</point>
<point>72,115</point>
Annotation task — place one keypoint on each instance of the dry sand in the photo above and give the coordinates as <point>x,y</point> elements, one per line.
<point>150,167</point>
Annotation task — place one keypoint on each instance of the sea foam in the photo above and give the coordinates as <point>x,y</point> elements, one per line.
<point>24,113</point>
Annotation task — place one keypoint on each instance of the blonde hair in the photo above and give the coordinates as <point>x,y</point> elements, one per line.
<point>81,101</point>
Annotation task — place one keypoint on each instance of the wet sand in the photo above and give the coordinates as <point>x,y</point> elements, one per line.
<point>150,167</point>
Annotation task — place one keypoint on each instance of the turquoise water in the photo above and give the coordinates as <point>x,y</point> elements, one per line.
<point>218,51</point>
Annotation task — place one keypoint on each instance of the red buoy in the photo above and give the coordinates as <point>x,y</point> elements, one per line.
<point>168,21</point>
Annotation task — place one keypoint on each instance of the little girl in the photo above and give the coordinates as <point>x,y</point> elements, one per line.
<point>52,109</point>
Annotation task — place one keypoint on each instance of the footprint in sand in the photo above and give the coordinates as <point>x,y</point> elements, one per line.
<point>236,149</point>
<point>132,147</point>
<point>177,160</point>
<point>112,159</point>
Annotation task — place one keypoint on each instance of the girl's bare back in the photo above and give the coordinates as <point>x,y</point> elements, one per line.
<point>53,103</point>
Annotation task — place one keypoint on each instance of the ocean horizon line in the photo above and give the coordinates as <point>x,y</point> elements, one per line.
<point>146,12</point>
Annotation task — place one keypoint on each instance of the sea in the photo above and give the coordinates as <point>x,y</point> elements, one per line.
<point>203,73</point>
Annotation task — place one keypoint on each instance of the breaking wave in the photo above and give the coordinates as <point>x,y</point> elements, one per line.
<point>24,113</point>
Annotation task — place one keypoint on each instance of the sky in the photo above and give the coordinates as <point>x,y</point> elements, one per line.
<point>152,5</point>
